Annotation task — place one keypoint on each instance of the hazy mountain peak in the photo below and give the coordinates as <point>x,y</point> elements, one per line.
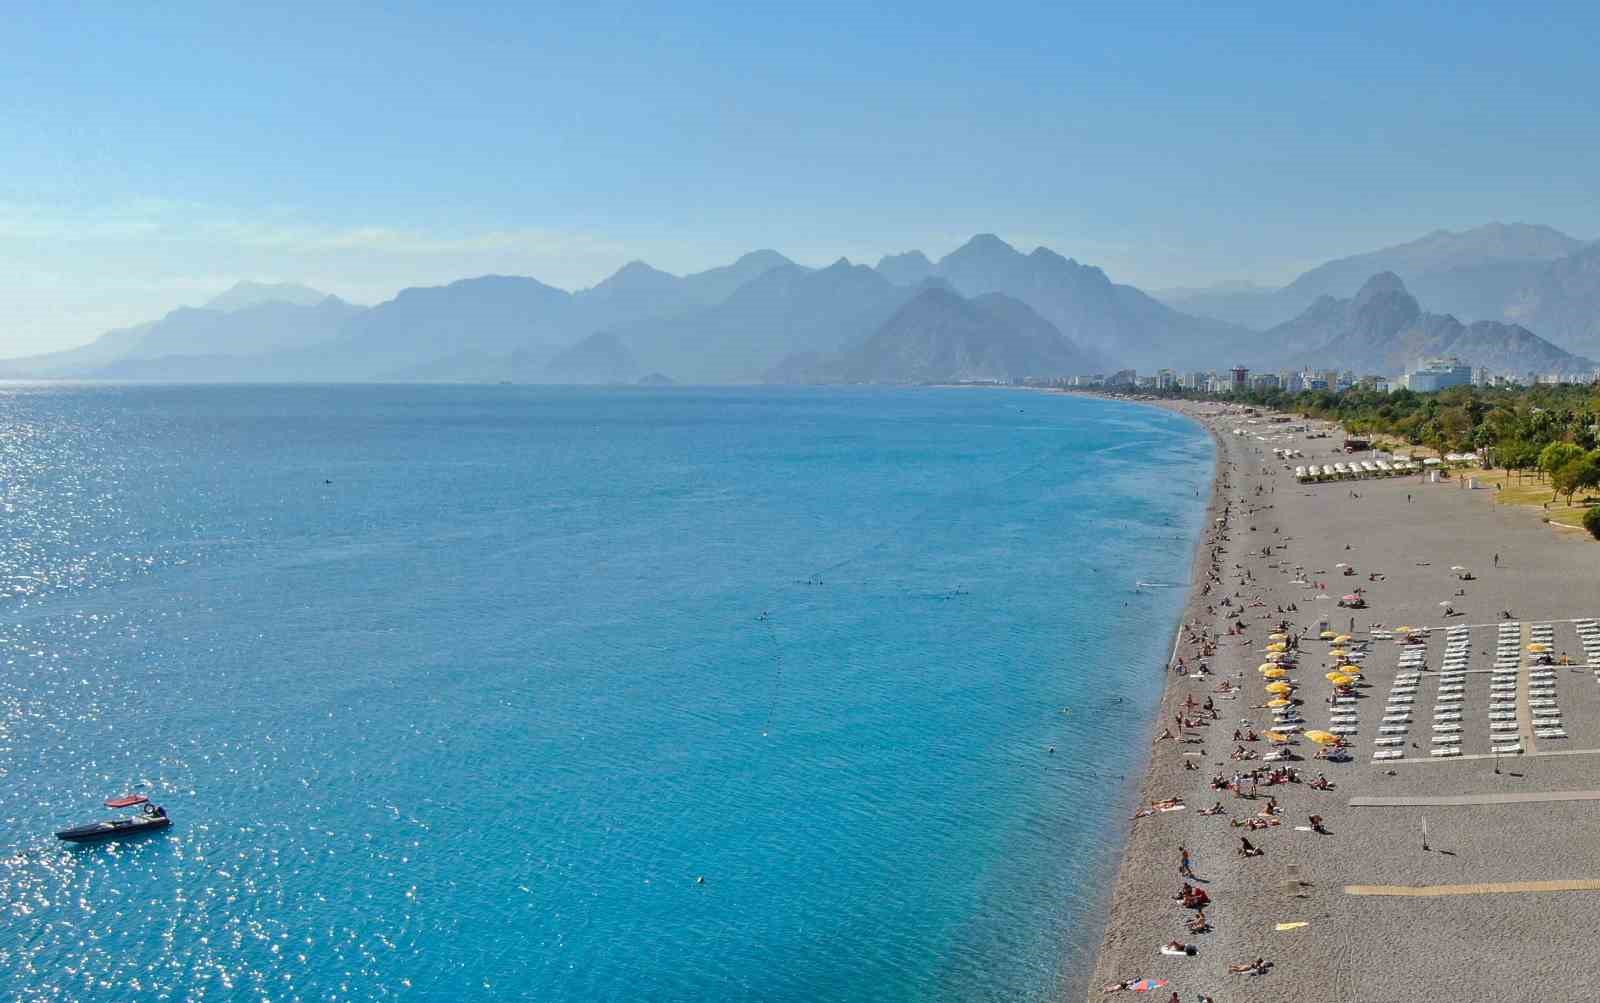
<point>905,269</point>
<point>983,245</point>
<point>766,257</point>
<point>247,294</point>
<point>1383,282</point>
<point>636,275</point>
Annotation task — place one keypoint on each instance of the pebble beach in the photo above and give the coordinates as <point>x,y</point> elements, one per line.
<point>1435,867</point>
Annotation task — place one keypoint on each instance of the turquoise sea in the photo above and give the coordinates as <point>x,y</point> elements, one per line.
<point>456,692</point>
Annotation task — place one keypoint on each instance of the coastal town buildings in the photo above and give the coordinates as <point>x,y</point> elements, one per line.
<point>1436,374</point>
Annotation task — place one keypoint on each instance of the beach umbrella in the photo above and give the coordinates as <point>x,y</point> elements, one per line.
<point>1276,673</point>
<point>1341,564</point>
<point>1277,646</point>
<point>1279,702</point>
<point>1280,687</point>
<point>1457,567</point>
<point>1538,648</point>
<point>1266,666</point>
<point>1352,597</point>
<point>1342,639</point>
<point>1276,737</point>
<point>1337,653</point>
<point>1339,679</point>
<point>1277,635</point>
<point>1322,737</point>
<point>1327,635</point>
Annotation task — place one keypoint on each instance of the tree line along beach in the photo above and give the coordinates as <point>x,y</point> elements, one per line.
<point>1422,853</point>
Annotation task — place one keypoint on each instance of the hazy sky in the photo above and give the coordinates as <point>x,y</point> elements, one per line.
<point>150,158</point>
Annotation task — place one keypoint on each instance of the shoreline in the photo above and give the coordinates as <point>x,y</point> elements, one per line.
<point>1354,928</point>
<point>1130,791</point>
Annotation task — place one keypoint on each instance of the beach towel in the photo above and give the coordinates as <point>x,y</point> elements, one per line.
<point>1285,927</point>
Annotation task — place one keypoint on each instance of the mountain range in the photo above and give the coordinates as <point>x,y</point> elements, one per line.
<point>984,311</point>
<point>1517,273</point>
<point>1383,329</point>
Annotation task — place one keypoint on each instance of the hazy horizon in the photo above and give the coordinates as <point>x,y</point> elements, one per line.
<point>361,153</point>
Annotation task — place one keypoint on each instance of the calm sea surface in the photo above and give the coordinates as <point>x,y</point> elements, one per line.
<point>454,693</point>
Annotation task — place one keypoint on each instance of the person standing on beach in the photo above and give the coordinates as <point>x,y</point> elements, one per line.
<point>1183,864</point>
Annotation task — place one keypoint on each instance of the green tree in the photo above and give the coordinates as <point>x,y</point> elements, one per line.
<point>1591,521</point>
<point>1581,472</point>
<point>1557,455</point>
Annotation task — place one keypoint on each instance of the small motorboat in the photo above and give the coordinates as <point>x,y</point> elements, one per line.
<point>152,818</point>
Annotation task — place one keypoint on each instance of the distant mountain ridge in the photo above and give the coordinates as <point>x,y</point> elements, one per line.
<point>1383,329</point>
<point>249,294</point>
<point>764,317</point>
<point>1117,322</point>
<point>1521,273</point>
<point>939,336</point>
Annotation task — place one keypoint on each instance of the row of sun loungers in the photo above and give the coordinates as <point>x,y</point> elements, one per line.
<point>1354,470</point>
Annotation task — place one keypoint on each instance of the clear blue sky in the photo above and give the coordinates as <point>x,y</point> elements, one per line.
<point>151,157</point>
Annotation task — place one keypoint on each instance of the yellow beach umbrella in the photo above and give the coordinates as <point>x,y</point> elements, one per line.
<point>1280,687</point>
<point>1327,635</point>
<point>1278,702</point>
<point>1322,737</point>
<point>1277,646</point>
<point>1339,679</point>
<point>1277,737</point>
<point>1276,673</point>
<point>1265,667</point>
<point>1277,635</point>
<point>1342,639</point>
<point>1331,676</point>
<point>1406,629</point>
<point>1537,648</point>
<point>1337,653</point>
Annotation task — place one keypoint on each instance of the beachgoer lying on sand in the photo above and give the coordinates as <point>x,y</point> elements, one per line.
<point>1317,827</point>
<point>1248,849</point>
<point>1320,784</point>
<point>1255,967</point>
<point>1166,736</point>
<point>1215,809</point>
<point>1255,823</point>
<point>1199,924</point>
<point>1188,764</point>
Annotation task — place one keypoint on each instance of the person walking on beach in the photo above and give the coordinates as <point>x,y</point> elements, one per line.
<point>1497,560</point>
<point>1183,864</point>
